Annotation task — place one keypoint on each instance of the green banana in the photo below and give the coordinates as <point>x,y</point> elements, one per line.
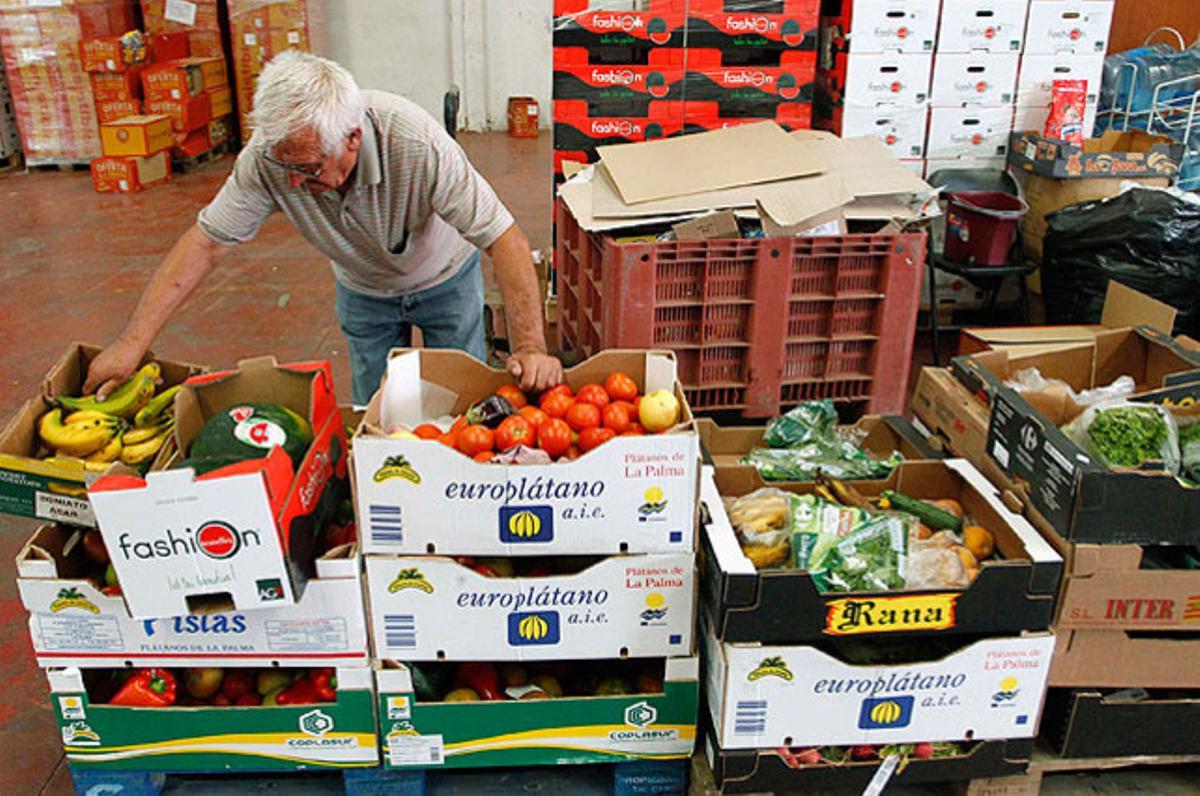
<point>148,414</point>
<point>78,439</point>
<point>126,400</point>
<point>136,436</point>
<point>144,451</point>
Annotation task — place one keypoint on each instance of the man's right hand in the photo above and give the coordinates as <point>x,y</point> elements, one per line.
<point>112,368</point>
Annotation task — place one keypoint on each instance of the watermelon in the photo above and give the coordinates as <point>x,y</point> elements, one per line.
<point>250,431</point>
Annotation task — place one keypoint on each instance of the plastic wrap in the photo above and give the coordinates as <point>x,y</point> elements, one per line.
<point>1125,434</point>
<point>52,96</point>
<point>807,440</point>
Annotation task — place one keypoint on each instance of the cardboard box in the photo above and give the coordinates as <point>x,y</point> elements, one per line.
<point>138,136</point>
<point>130,174</point>
<point>72,623</point>
<point>185,77</point>
<point>870,79</point>
<point>220,101</point>
<point>954,419</point>
<point>111,110</point>
<point>934,165</point>
<point>99,737</point>
<point>633,494</point>
<point>974,132</point>
<point>239,537</point>
<point>1034,118</point>
<point>877,26</point>
<point>608,30</point>
<point>108,54</point>
<point>598,729</point>
<point>974,79</point>
<point>117,86</point>
<point>427,608</point>
<point>193,143</point>
<point>762,696</point>
<point>1013,593</point>
<point>168,46</point>
<point>903,130</point>
<point>749,30</point>
<point>1114,154</point>
<point>769,771</point>
<point>186,114</point>
<point>996,26</point>
<point>1093,723</point>
<point>1119,659</point>
<point>1082,499</point>
<point>56,489</point>
<point>1035,83</point>
<point>205,44</point>
<point>1069,26</point>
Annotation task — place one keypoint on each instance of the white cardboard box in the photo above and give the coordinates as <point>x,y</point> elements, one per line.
<point>996,26</point>
<point>893,26</point>
<point>1034,118</point>
<point>1035,84</point>
<point>974,79</point>
<point>72,623</point>
<point>903,130</point>
<point>934,165</point>
<point>1069,26</point>
<point>431,608</point>
<point>974,132</point>
<point>630,495</point>
<point>900,79</point>
<point>775,696</point>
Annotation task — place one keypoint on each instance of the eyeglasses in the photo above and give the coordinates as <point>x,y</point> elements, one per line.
<point>310,171</point>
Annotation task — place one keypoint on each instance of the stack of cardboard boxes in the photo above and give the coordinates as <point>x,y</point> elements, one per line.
<point>1120,676</point>
<point>520,582</point>
<point>194,94</point>
<point>669,67</point>
<point>229,575</point>
<point>258,31</point>
<point>52,95</point>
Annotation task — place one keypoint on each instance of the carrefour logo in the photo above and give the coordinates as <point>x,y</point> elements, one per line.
<point>885,713</point>
<point>535,628</point>
<point>523,524</point>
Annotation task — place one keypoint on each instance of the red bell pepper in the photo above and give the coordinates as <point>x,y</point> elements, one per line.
<point>325,683</point>
<point>482,678</point>
<point>147,688</point>
<point>301,692</point>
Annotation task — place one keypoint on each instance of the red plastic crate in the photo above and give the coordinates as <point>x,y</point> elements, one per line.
<point>757,325</point>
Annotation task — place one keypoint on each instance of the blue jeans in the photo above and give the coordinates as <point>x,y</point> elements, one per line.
<point>450,315</point>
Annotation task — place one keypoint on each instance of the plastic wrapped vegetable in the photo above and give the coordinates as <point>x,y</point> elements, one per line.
<point>1189,451</point>
<point>806,440</point>
<point>872,557</point>
<point>762,519</point>
<point>807,422</point>
<point>1127,435</point>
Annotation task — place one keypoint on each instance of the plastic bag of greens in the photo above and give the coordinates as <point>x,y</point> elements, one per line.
<point>1189,451</point>
<point>814,420</point>
<point>806,440</point>
<point>1127,435</point>
<point>871,558</point>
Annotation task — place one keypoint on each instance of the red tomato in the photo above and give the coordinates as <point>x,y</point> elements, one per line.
<point>459,425</point>
<point>427,431</point>
<point>573,453</point>
<point>592,437</point>
<point>476,439</point>
<point>514,431</point>
<point>563,388</point>
<point>483,457</point>
<point>554,437</point>
<point>512,393</point>
<point>449,440</point>
<point>634,430</point>
<point>616,417</point>
<point>556,404</point>
<point>620,387</point>
<point>592,394</point>
<point>581,416</point>
<point>534,415</point>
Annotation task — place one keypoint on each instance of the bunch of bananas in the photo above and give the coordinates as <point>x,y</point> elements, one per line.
<point>130,425</point>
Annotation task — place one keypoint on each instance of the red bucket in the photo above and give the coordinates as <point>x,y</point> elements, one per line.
<point>981,226</point>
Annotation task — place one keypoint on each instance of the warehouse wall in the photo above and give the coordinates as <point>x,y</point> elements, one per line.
<point>491,50</point>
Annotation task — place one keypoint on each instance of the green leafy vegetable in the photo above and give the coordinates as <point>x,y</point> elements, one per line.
<point>1128,436</point>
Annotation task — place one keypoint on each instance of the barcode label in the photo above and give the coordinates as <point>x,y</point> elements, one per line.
<point>415,750</point>
<point>750,717</point>
<point>386,523</point>
<point>400,631</point>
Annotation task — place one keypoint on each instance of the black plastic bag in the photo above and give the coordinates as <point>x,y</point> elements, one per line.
<point>1146,239</point>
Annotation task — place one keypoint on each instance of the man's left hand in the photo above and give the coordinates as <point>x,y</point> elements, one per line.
<point>535,371</point>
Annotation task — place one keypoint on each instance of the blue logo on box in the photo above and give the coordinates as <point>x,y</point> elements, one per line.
<point>523,524</point>
<point>533,628</point>
<point>885,713</point>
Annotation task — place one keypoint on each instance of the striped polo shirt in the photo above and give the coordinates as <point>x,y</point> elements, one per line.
<point>415,211</point>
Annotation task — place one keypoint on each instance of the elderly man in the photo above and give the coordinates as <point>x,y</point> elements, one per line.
<point>372,181</point>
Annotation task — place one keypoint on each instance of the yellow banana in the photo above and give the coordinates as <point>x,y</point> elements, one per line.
<point>148,415</point>
<point>143,451</point>
<point>126,400</point>
<point>108,453</point>
<point>77,439</point>
<point>84,415</point>
<point>135,436</point>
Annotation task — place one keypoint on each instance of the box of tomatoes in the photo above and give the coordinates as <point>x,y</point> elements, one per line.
<point>452,458</point>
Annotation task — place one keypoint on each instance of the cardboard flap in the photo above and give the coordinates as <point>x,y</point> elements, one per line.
<point>721,535</point>
<point>806,201</point>
<point>724,158</point>
<point>722,224</point>
<point>1125,307</point>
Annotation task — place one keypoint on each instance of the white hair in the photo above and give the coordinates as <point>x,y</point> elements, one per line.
<point>298,91</point>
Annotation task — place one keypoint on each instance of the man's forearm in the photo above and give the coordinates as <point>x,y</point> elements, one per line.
<point>188,262</point>
<point>513,262</point>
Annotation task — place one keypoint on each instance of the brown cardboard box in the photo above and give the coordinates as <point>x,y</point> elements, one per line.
<point>221,101</point>
<point>1116,659</point>
<point>136,135</point>
<point>130,174</point>
<point>955,419</point>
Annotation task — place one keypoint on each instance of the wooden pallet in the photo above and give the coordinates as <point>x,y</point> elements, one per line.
<point>188,165</point>
<point>637,778</point>
<point>64,166</point>
<point>1046,763</point>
